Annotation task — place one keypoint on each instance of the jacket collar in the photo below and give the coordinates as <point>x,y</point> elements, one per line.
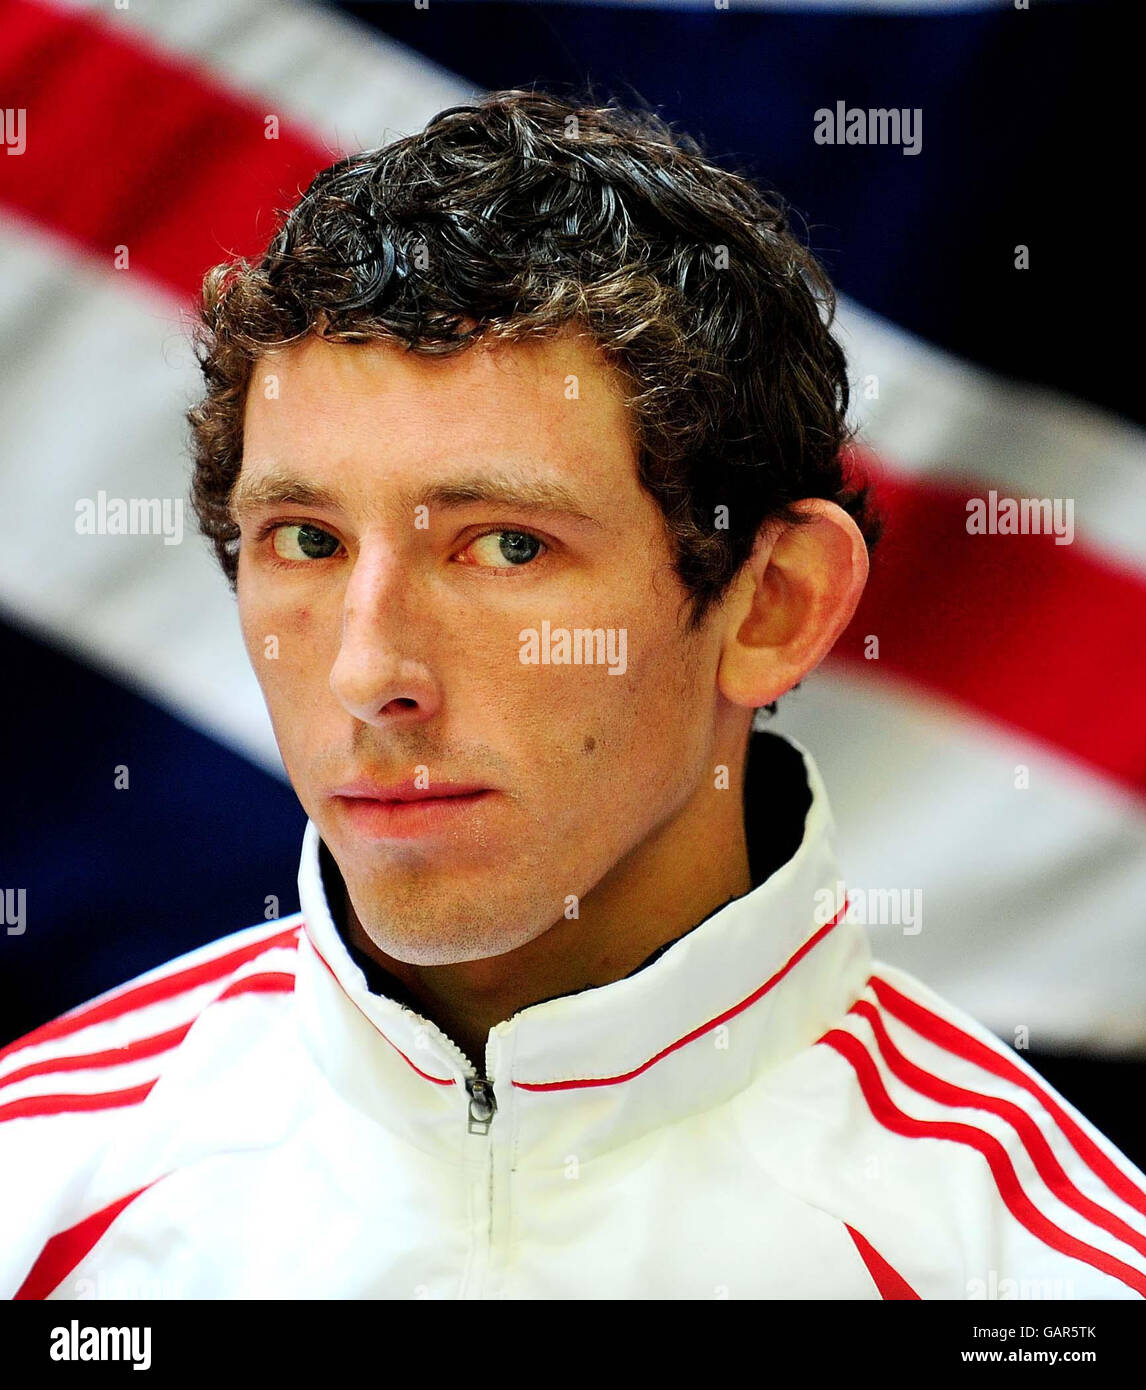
<point>754,983</point>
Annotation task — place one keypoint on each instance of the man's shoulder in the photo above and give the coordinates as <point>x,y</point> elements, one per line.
<point>108,1052</point>
<point>85,1098</point>
<point>973,1140</point>
<point>920,1037</point>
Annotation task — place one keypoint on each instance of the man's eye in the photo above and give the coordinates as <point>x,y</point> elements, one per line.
<point>505,549</point>
<point>304,542</point>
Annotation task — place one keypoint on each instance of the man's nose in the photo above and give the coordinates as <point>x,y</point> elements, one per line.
<point>381,673</point>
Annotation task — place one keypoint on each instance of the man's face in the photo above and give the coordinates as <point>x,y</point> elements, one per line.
<point>438,509</point>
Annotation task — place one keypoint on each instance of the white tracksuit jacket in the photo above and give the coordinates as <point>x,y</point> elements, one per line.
<point>760,1112</point>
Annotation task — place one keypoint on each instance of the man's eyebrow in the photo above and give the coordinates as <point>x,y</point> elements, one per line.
<point>276,490</point>
<point>535,494</point>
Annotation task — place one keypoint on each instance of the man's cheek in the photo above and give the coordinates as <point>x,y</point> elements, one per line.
<point>269,649</point>
<point>280,633</point>
<point>287,668</point>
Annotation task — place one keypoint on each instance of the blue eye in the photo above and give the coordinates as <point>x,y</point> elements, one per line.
<point>304,542</point>
<point>506,549</point>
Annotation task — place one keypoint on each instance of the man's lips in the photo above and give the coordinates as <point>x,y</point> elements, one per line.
<point>366,790</point>
<point>403,811</point>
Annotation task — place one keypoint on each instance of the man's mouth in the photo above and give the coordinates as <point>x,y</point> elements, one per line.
<point>407,810</point>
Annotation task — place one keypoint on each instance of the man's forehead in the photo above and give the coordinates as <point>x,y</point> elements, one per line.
<point>354,430</point>
<point>544,361</point>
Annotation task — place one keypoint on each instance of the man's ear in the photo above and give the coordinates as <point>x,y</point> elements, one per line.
<point>791,601</point>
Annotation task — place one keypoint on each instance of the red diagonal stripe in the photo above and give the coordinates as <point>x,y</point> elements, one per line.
<point>127,146</point>
<point>64,1251</point>
<point>74,1104</point>
<point>1016,627</point>
<point>268,982</point>
<point>946,1035</point>
<point>1034,1141</point>
<point>890,1283</point>
<point>166,987</point>
<point>888,1114</point>
<point>109,1057</point>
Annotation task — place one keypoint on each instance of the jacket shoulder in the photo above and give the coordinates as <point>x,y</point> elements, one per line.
<point>147,1016</point>
<point>1040,1193</point>
<point>70,1089</point>
<point>966,1051</point>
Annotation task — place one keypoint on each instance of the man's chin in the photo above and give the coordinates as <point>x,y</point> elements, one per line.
<point>421,927</point>
<point>423,868</point>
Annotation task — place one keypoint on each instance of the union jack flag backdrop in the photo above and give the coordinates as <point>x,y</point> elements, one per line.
<point>990,751</point>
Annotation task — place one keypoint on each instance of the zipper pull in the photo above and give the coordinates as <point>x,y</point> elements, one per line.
<point>482,1104</point>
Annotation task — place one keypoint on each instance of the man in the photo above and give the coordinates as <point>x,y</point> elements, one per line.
<point>524,449</point>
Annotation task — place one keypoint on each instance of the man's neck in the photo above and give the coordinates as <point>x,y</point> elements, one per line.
<point>693,865</point>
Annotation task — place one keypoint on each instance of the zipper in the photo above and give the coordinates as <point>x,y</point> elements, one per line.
<point>483,1103</point>
<point>480,1110</point>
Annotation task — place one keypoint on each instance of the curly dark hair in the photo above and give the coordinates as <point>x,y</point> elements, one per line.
<point>526,212</point>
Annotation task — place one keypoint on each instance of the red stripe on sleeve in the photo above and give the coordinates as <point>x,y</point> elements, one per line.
<point>64,1251</point>
<point>109,1057</point>
<point>1034,1141</point>
<point>952,1039</point>
<point>154,991</point>
<point>74,1104</point>
<point>890,1283</point>
<point>884,1109</point>
<point>268,982</point>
